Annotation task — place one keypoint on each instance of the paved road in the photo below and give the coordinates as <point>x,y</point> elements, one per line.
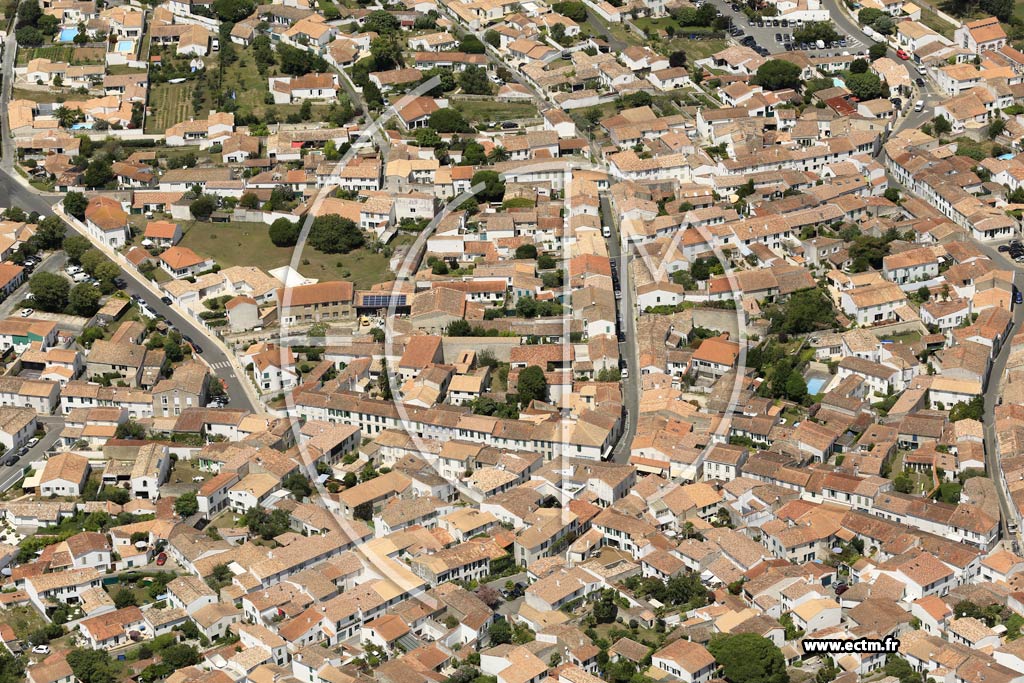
<point>53,263</point>
<point>628,350</point>
<point>11,474</point>
<point>992,398</point>
<point>29,199</point>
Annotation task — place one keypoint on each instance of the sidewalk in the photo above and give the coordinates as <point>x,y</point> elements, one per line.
<point>130,271</point>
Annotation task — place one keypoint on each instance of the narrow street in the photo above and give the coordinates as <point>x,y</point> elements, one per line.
<point>628,349</point>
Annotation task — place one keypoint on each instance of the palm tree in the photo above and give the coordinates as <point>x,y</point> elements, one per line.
<point>497,155</point>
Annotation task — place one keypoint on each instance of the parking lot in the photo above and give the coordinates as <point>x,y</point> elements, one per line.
<point>772,36</point>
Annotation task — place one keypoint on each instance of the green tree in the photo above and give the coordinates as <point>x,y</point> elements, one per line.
<point>748,658</point>
<point>186,504</point>
<point>898,667</point>
<point>384,381</point>
<point>363,511</point>
<point>806,310</point>
<point>448,121</point>
<point>877,51</point>
<point>941,125</point>
<point>298,485</point>
<point>605,609</point>
<point>124,598</point>
<point>500,632</point>
<point>93,666</point>
<point>233,10</point>
<point>130,430</point>
<point>777,74</point>
<point>864,86</point>
<point>970,410</point>
<point>577,11</point>
<point>859,66</point>
<point>902,483</point>
<point>203,207</point>
<point>382,22</point>
<point>493,189</point>
<point>526,251</point>
<point>892,194</point>
<point>492,38</point>
<point>475,81</point>
<point>796,388</point>
<point>470,44</point>
<point>298,62</point>
<point>996,128</point>
<point>75,203</point>
<point>284,233</point>
<point>386,52</point>
<point>948,492</point>
<point>179,656</point>
<point>98,173</point>
<point>332,234</point>
<point>49,291</point>
<point>532,385</point>
<point>50,232</point>
<point>84,300</point>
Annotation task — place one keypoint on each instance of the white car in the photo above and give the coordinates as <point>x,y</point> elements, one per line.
<point>41,650</point>
<point>33,441</point>
<point>26,312</point>
<point>919,105</point>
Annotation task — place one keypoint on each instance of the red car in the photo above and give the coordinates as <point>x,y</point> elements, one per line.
<point>902,54</point>
<point>161,559</point>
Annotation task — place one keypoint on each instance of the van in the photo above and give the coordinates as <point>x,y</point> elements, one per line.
<point>80,277</point>
<point>919,105</point>
<point>820,44</point>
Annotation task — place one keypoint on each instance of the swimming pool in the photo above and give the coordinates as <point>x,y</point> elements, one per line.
<point>67,35</point>
<point>125,45</point>
<point>815,385</point>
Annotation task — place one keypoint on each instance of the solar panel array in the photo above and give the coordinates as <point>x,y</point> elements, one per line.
<point>383,300</point>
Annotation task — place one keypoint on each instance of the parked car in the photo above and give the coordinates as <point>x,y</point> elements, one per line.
<point>166,300</point>
<point>1018,298</point>
<point>161,559</point>
<point>1003,248</point>
<point>32,442</point>
<point>41,650</point>
<point>919,81</point>
<point>26,312</point>
<point>902,54</point>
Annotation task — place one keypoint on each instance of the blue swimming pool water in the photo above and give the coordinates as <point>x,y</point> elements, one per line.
<point>67,35</point>
<point>815,385</point>
<point>125,45</point>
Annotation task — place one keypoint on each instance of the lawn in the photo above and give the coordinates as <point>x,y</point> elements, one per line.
<point>695,49</point>
<point>489,111</point>
<point>24,620</point>
<point>936,23</point>
<point>248,244</point>
<point>46,95</point>
<point>62,53</point>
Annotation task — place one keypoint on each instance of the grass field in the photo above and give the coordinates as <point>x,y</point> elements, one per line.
<point>936,23</point>
<point>695,49</point>
<point>248,244</point>
<point>24,620</point>
<point>61,53</point>
<point>169,103</point>
<point>488,111</point>
<point>45,95</point>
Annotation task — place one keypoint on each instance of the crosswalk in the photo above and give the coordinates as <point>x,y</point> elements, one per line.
<point>221,365</point>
